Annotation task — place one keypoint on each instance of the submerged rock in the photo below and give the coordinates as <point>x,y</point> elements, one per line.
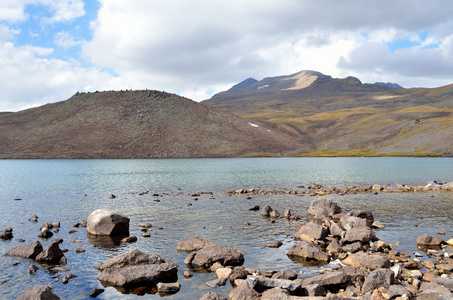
<point>193,244</point>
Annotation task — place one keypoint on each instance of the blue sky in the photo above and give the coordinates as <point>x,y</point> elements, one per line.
<point>50,49</point>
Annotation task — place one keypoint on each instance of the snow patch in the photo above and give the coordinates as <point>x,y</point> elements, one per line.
<point>262,87</point>
<point>254,125</point>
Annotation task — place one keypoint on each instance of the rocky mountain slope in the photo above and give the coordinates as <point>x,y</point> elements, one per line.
<point>345,116</point>
<point>136,124</point>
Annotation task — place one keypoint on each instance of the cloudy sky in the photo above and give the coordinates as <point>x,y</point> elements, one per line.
<point>50,49</point>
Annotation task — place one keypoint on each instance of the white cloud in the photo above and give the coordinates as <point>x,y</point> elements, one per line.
<point>66,40</point>
<point>65,10</point>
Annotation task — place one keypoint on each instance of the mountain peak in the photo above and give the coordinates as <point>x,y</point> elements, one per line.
<point>243,84</point>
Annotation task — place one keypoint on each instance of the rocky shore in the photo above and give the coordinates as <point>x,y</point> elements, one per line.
<point>365,267</point>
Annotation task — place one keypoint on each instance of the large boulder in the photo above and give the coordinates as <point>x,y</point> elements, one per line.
<point>369,261</point>
<point>52,254</point>
<point>322,208</point>
<point>38,293</point>
<point>27,251</point>
<point>261,283</point>
<point>307,251</point>
<point>312,230</point>
<point>225,255</point>
<point>349,222</point>
<point>136,268</point>
<point>429,241</point>
<point>244,292</point>
<point>193,244</point>
<point>364,214</point>
<point>107,222</point>
<point>378,278</point>
<point>360,234</point>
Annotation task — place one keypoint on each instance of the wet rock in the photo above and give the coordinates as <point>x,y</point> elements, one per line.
<point>168,288</point>
<point>32,269</point>
<point>244,292</point>
<point>27,251</point>
<point>364,214</point>
<point>266,211</point>
<point>287,214</point>
<point>223,272</point>
<point>96,292</point>
<point>216,282</point>
<point>187,274</point>
<point>80,250</point>
<point>39,293</point>
<point>193,244</point>
<point>55,225</point>
<point>52,254</point>
<point>377,225</point>
<point>378,278</point>
<point>107,222</point>
<point>274,214</point>
<point>255,207</point>
<point>369,261</point>
<point>361,234</point>
<point>7,234</point>
<point>33,218</point>
<point>323,208</point>
<point>307,251</point>
<point>112,196</point>
<point>275,245</point>
<point>275,293</point>
<point>313,230</point>
<point>330,281</point>
<point>129,239</point>
<point>207,256</point>
<point>67,277</point>
<point>212,296</point>
<point>429,241</point>
<point>145,225</point>
<point>285,274</point>
<point>261,283</point>
<point>45,233</point>
<point>136,268</point>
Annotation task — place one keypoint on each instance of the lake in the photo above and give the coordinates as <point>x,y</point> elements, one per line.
<point>69,190</point>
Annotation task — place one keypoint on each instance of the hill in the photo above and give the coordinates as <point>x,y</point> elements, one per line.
<point>346,117</point>
<point>136,124</point>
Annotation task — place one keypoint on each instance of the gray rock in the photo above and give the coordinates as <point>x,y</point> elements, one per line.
<point>52,254</point>
<point>266,211</point>
<point>276,294</point>
<point>446,282</point>
<point>312,290</point>
<point>285,274</point>
<point>244,292</point>
<point>33,218</point>
<point>131,258</point>
<point>32,269</point>
<point>168,288</point>
<point>27,251</point>
<point>193,244</point>
<point>107,222</point>
<point>39,293</point>
<point>330,281</point>
<point>322,208</point>
<point>353,248</point>
<point>96,292</point>
<point>427,240</point>
<point>45,233</point>
<point>261,283</point>
<point>307,251</point>
<point>435,291</point>
<point>334,248</point>
<point>7,234</point>
<point>349,222</point>
<point>398,291</point>
<point>313,230</point>
<point>212,296</point>
<point>225,255</point>
<point>360,234</point>
<point>216,282</point>
<point>239,274</point>
<point>369,261</point>
<point>378,278</point>
<point>364,214</point>
<point>336,230</point>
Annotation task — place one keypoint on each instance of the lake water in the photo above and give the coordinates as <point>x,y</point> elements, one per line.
<point>69,190</point>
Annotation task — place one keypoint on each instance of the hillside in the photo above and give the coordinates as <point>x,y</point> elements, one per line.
<point>136,124</point>
<point>346,116</point>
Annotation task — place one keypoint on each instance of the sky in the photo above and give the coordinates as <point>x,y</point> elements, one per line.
<point>50,49</point>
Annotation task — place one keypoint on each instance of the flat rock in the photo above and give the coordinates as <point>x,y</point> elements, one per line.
<point>193,244</point>
<point>369,261</point>
<point>261,283</point>
<point>313,230</point>
<point>27,251</point>
<point>225,255</point>
<point>107,222</point>
<point>131,258</point>
<point>212,296</point>
<point>168,288</point>
<point>378,278</point>
<point>307,251</point>
<point>39,293</point>
<point>336,280</point>
<point>428,240</point>
<point>276,294</point>
<point>216,282</point>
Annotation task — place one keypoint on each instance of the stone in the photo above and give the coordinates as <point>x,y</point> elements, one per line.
<point>244,292</point>
<point>45,233</point>
<point>336,230</point>
<point>277,244</point>
<point>285,274</point>
<point>187,274</point>
<point>261,283</point>
<point>32,269</point>
<point>333,280</point>
<point>275,294</point>
<point>212,296</point>
<point>274,214</point>
<point>168,288</point>
<point>353,248</point>
<point>239,274</point>
<point>266,211</point>
<point>369,261</point>
<point>287,214</point>
<point>364,214</point>
<point>193,244</point>
<point>323,208</point>
<point>223,272</point>
<point>145,225</point>
<point>67,277</point>
<point>313,290</point>
<point>96,292</point>
<point>429,241</point>
<point>434,291</point>
<point>216,282</point>
<point>33,218</point>
<point>398,291</point>
<point>80,250</point>
<point>107,222</point>
<point>7,234</point>
<point>207,256</point>
<point>136,268</point>
<point>378,225</point>
<point>378,278</point>
<point>52,254</point>
<point>334,248</point>
<point>307,251</point>
<point>39,293</point>
<point>446,282</point>
<point>349,222</point>
<point>312,229</point>
<point>27,251</point>
<point>255,207</point>
<point>129,239</point>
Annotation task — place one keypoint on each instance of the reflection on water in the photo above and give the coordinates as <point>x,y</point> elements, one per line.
<point>105,242</point>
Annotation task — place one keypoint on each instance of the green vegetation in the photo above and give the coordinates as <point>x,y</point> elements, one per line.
<point>259,155</point>
<point>363,153</point>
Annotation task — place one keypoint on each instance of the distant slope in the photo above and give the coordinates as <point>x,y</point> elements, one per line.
<point>344,114</point>
<point>390,85</point>
<point>136,124</point>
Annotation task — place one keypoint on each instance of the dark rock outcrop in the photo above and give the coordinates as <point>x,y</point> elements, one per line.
<point>27,251</point>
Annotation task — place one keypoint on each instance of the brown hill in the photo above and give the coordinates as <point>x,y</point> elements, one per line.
<point>135,124</point>
<point>342,115</point>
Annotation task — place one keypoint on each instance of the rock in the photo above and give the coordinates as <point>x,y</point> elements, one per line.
<point>323,208</point>
<point>285,274</point>
<point>67,277</point>
<point>33,218</point>
<point>7,234</point>
<point>52,254</point>
<point>239,274</point>
<point>313,290</point>
<point>96,292</point>
<point>27,251</point>
<point>276,294</point>
<point>275,245</point>
<point>377,188</point>
<point>55,225</point>
<point>369,261</point>
<point>364,214</point>
<point>336,230</point>
<point>307,251</point>
<point>80,250</point>
<point>187,274</point>
<point>378,278</point>
<point>212,296</point>
<point>287,214</point>
<point>223,272</point>
<point>136,268</point>
<point>32,269</point>
<point>111,196</point>
<point>168,288</point>
<point>255,207</point>
<point>45,233</point>
<point>434,291</point>
<point>266,211</point>
<point>261,283</point>
<point>330,281</point>
<point>225,255</point>
<point>129,239</point>
<point>274,214</point>
<point>361,234</point>
<point>107,222</point>
<point>334,248</point>
<point>398,291</point>
<point>313,230</point>
<point>446,282</point>
<point>216,282</point>
<point>353,248</point>
<point>349,222</point>
<point>193,244</point>
<point>427,240</point>
<point>39,293</point>
<point>145,225</point>
<point>215,267</point>
<point>244,292</point>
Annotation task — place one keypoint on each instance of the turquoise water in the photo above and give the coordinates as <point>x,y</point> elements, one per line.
<point>69,190</point>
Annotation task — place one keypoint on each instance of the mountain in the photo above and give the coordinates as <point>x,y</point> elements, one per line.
<point>390,85</point>
<point>344,116</point>
<point>137,124</point>
<point>243,84</point>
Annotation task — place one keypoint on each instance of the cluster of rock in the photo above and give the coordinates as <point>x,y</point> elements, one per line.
<point>320,190</point>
